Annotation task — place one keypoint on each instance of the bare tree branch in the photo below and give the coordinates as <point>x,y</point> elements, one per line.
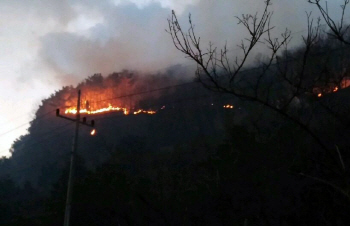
<point>294,80</point>
<point>338,30</point>
<point>335,187</point>
<point>207,70</point>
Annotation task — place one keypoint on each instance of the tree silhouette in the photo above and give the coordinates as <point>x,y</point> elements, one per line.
<point>298,89</point>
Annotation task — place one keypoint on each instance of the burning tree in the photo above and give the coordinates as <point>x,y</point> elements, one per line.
<point>296,86</point>
<point>115,93</point>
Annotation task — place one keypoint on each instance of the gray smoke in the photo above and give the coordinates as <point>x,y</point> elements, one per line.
<point>102,37</point>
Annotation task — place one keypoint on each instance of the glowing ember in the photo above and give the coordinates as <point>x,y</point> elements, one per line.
<point>125,111</point>
<point>93,132</point>
<point>319,95</point>
<point>137,112</point>
<point>145,112</point>
<point>335,89</point>
<point>228,106</point>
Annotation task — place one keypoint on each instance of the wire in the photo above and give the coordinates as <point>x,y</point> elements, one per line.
<point>169,87</point>
<point>193,82</point>
<point>20,126</point>
<point>48,134</point>
<point>145,92</point>
<point>165,104</point>
<point>37,143</point>
<point>10,120</point>
<point>173,86</point>
<point>9,131</point>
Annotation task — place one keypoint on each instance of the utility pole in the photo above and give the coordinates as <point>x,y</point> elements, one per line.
<point>74,150</point>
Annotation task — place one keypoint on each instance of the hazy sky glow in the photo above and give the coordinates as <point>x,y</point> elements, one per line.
<point>47,44</point>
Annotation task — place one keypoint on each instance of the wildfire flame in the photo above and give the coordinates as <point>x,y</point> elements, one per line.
<point>228,106</point>
<point>110,108</point>
<point>125,111</point>
<point>145,112</point>
<point>321,90</point>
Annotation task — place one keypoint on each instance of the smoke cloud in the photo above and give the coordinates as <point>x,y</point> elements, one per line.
<point>107,36</point>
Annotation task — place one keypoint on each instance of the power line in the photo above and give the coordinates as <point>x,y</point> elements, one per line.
<point>14,118</point>
<point>39,143</point>
<point>9,131</point>
<point>145,92</point>
<point>159,89</point>
<point>205,96</point>
<point>174,86</point>
<point>178,85</point>
<point>48,134</point>
<point>193,82</point>
<point>20,126</point>
<point>140,93</point>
